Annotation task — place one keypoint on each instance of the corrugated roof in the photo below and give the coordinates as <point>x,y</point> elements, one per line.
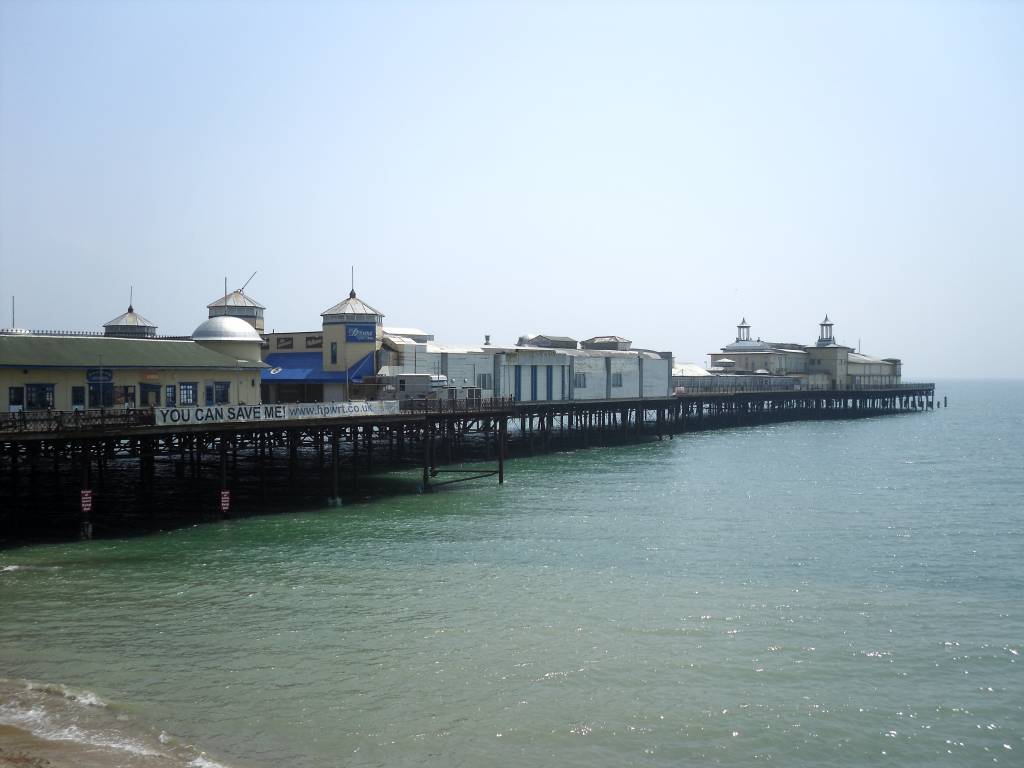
<point>351,306</point>
<point>235,299</point>
<point>857,357</point>
<point>552,338</point>
<point>689,369</point>
<point>112,352</point>
<point>131,318</point>
<point>747,346</point>
<point>630,354</point>
<point>401,340</point>
<point>391,330</point>
<point>450,348</point>
<point>607,340</point>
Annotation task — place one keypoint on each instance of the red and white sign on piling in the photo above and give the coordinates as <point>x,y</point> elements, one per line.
<point>225,501</point>
<point>87,500</point>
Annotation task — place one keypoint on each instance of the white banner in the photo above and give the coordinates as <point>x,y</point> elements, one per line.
<point>218,414</point>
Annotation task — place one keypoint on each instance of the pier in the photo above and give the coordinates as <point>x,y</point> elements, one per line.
<point>105,472</point>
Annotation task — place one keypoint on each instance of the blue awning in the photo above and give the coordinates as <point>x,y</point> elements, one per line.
<point>309,366</point>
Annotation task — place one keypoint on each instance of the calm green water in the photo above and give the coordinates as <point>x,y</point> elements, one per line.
<point>814,593</point>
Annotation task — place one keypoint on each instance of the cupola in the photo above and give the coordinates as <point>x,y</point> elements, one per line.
<point>825,337</point>
<point>238,304</point>
<point>130,325</point>
<point>352,310</point>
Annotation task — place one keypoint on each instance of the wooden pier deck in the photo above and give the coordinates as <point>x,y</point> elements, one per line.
<point>68,473</point>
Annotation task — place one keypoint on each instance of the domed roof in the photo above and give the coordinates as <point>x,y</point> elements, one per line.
<point>225,328</point>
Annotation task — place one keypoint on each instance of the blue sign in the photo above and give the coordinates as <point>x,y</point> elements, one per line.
<point>361,333</point>
<point>99,376</point>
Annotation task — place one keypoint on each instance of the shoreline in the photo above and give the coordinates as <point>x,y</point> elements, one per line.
<point>19,748</point>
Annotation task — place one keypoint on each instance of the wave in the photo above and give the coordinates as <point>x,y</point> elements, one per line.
<point>13,568</point>
<point>54,712</point>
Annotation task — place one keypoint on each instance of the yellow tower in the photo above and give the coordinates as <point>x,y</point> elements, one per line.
<point>352,337</point>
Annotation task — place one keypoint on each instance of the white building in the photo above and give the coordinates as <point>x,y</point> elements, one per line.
<point>529,373</point>
<point>825,364</point>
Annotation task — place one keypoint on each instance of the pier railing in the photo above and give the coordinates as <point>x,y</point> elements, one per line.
<point>108,420</point>
<point>755,389</point>
<point>61,421</point>
<point>467,405</point>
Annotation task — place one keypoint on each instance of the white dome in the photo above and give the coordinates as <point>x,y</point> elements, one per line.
<point>225,328</point>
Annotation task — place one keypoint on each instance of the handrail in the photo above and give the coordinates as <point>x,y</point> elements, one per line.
<point>112,419</point>
<point>60,421</point>
<point>691,391</point>
<point>466,405</point>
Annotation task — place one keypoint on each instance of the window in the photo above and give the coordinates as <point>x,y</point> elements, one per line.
<point>401,385</point>
<point>579,380</point>
<point>221,392</point>
<point>189,392</point>
<point>78,397</point>
<point>101,395</point>
<point>334,353</point>
<point>38,397</point>
<point>485,380</point>
<point>314,342</point>
<point>169,395</point>
<point>284,342</point>
<point>149,394</point>
<point>125,396</point>
<point>16,396</point>
<point>617,379</point>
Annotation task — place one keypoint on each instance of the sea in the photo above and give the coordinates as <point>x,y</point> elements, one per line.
<point>810,593</point>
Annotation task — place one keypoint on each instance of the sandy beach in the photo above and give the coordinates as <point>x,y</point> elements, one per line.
<point>20,749</point>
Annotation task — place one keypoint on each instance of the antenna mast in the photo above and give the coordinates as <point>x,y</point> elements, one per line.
<point>248,281</point>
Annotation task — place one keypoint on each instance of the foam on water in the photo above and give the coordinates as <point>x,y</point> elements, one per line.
<point>60,713</point>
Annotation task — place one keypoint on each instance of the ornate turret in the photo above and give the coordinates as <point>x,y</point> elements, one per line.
<point>825,338</point>
<point>743,330</point>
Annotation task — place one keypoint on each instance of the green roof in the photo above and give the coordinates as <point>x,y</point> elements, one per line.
<point>77,352</point>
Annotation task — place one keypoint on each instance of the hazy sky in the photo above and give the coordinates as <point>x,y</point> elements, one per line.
<point>655,170</point>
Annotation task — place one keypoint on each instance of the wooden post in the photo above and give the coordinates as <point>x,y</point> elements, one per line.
<point>355,450</point>
<point>335,499</point>
<point>502,433</point>
<point>223,471</point>
<point>85,523</point>
<point>426,455</point>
